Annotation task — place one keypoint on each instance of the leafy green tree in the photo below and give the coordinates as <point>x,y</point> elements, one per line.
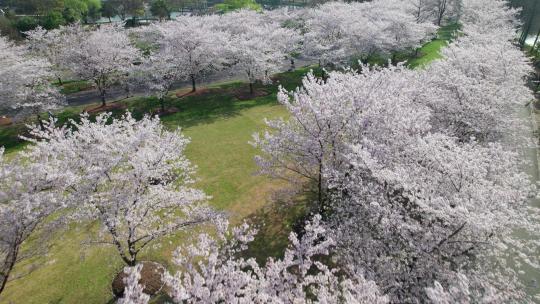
<point>70,16</point>
<point>26,23</point>
<point>82,9</point>
<point>38,7</point>
<point>231,5</point>
<point>52,20</point>
<point>160,9</point>
<point>94,10</point>
<point>127,8</point>
<point>108,9</point>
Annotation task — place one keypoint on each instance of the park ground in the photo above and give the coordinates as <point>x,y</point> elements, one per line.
<point>220,126</point>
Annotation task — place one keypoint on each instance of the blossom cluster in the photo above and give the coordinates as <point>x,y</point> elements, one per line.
<point>418,171</point>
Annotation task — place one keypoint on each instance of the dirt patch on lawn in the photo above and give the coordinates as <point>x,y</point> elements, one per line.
<point>106,108</point>
<point>165,112</point>
<point>5,121</point>
<point>246,95</point>
<point>151,279</point>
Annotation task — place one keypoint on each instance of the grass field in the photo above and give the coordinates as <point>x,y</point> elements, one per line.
<point>431,51</point>
<point>220,127</point>
<point>73,86</point>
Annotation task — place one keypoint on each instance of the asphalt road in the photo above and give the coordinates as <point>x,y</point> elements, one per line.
<point>118,93</point>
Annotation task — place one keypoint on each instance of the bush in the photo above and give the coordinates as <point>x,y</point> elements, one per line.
<point>26,23</point>
<point>52,20</point>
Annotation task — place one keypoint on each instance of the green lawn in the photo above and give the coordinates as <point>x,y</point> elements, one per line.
<point>220,127</point>
<point>73,86</point>
<point>431,51</point>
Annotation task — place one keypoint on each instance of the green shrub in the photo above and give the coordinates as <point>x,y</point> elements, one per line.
<point>52,20</point>
<point>26,23</point>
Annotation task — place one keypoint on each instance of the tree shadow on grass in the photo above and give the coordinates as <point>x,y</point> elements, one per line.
<point>217,102</point>
<point>274,224</point>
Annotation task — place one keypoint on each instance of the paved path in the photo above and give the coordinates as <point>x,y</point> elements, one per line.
<point>92,96</point>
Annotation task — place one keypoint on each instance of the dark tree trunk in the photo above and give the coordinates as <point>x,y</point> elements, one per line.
<point>103,101</point>
<point>535,41</point>
<point>60,81</point>
<point>193,85</point>
<point>40,121</point>
<point>319,190</point>
<point>128,261</point>
<point>251,88</point>
<point>7,267</point>
<point>132,254</point>
<point>162,103</point>
<point>527,28</point>
<point>324,75</point>
<point>439,20</point>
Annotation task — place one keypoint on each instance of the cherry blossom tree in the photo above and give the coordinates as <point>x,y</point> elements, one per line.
<point>462,292</point>
<point>195,45</point>
<point>133,177</point>
<point>258,48</point>
<point>212,272</point>
<point>481,80</point>
<point>157,75</point>
<point>325,39</point>
<point>325,115</point>
<point>24,86</point>
<point>335,32</point>
<point>445,9</point>
<point>30,191</point>
<point>51,44</point>
<point>418,194</point>
<point>433,214</point>
<point>422,10</point>
<point>103,57</point>
<point>133,293</point>
<point>400,30</point>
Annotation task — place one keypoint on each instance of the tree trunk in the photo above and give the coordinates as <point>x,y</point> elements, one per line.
<point>60,81</point>
<point>103,101</point>
<point>40,121</point>
<point>527,28</point>
<point>132,254</point>
<point>193,86</point>
<point>110,21</point>
<point>251,88</point>
<point>535,41</point>
<point>162,103</point>
<point>7,267</point>
<point>320,197</point>
<point>324,75</point>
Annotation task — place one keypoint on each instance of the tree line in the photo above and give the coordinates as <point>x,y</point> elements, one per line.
<point>416,172</point>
